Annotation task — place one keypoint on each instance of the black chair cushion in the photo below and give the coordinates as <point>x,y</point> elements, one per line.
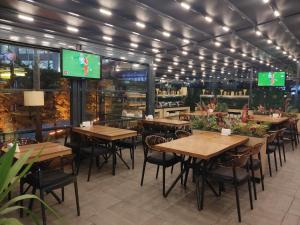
<point>157,158</point>
<point>50,180</point>
<point>225,174</point>
<point>98,150</point>
<point>278,142</point>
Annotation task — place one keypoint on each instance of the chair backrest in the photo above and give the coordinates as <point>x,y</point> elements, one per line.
<point>280,132</point>
<point>240,160</point>
<point>255,149</point>
<point>152,140</point>
<point>182,134</point>
<point>271,137</point>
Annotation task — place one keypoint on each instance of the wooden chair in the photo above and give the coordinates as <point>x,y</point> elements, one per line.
<point>158,158</point>
<point>271,148</point>
<point>235,172</point>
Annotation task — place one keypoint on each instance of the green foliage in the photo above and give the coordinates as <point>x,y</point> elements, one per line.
<point>292,109</point>
<point>221,107</point>
<point>205,123</point>
<point>11,173</point>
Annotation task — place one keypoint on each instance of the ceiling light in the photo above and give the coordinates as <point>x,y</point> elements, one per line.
<point>190,66</point>
<point>290,56</point>
<point>201,57</point>
<point>175,63</point>
<point>202,68</point>
<point>269,41</point>
<point>225,28</point>
<point>184,53</point>
<point>215,61</point>
<point>4,27</point>
<point>48,36</point>
<point>185,5</point>
<point>134,45</point>
<point>170,71</point>
<point>45,43</point>
<point>218,44</point>
<point>276,13</point>
<point>30,37</point>
<point>208,19</point>
<point>130,53</point>
<point>72,29</point>
<point>157,59</point>
<point>123,58</point>
<point>186,41</point>
<point>182,72</point>
<point>258,33</point>
<point>25,17</point>
<point>61,43</point>
<point>166,34</point>
<point>284,52</point>
<point>277,47</point>
<point>265,1</point>
<point>105,12</point>
<point>261,62</point>
<point>107,38</point>
<point>225,64</point>
<point>140,24</point>
<point>232,50</point>
<point>14,38</point>
<point>235,66</point>
<point>154,68</point>
<point>155,50</point>
<point>253,58</point>
<point>73,14</point>
<point>244,55</point>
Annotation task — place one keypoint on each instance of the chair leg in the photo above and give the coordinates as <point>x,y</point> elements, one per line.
<point>21,193</point>
<point>237,201</point>
<point>172,168</point>
<point>275,159</point>
<point>164,181</point>
<point>186,177</point>
<point>90,167</point>
<point>279,152</point>
<point>283,150</point>
<point>143,173</point>
<point>43,207</point>
<point>132,158</point>
<point>254,183</point>
<point>77,197</point>
<point>157,171</point>
<point>269,163</point>
<point>261,177</point>
<point>62,194</point>
<point>250,193</point>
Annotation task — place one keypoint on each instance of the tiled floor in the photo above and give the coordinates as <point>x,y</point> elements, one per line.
<point>120,200</point>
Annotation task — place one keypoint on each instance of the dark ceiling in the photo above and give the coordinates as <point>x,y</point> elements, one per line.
<point>228,45</point>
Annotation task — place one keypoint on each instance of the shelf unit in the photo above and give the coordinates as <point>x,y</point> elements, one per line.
<point>233,101</point>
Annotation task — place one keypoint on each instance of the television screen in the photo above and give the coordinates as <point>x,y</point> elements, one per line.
<point>80,64</point>
<point>271,79</point>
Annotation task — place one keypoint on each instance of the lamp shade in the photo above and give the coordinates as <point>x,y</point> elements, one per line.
<point>33,98</point>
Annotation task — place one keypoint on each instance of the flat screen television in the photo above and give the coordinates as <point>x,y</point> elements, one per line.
<point>271,79</point>
<point>80,64</point>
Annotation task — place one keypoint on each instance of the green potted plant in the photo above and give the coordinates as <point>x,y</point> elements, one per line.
<point>11,173</point>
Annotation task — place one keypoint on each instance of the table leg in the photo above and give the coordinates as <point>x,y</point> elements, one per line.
<point>114,158</point>
<point>204,177</point>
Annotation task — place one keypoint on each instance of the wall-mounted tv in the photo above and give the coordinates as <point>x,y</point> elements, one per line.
<point>80,64</point>
<point>271,79</point>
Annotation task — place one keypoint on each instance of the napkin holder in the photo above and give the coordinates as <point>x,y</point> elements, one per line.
<point>86,124</point>
<point>276,115</point>
<point>225,132</point>
<point>149,117</point>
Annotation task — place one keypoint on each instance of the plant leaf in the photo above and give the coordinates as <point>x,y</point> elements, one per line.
<point>10,221</point>
<point>5,165</point>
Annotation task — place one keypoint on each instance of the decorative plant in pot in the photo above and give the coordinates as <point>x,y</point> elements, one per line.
<point>11,173</point>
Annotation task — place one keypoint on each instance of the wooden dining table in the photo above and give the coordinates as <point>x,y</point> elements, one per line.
<point>110,134</point>
<point>204,145</point>
<point>203,113</point>
<point>268,119</point>
<point>46,151</point>
<point>167,122</point>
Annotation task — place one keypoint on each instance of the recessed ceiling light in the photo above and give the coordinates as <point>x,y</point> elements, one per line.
<point>184,52</point>
<point>130,53</point>
<point>190,66</point>
<point>225,28</point>
<point>215,61</point>
<point>170,71</point>
<point>72,29</point>
<point>14,38</point>
<point>6,21</point>
<point>253,58</point>
<point>83,38</point>
<point>185,5</point>
<point>157,59</point>
<point>232,50</point>
<point>107,38</point>
<point>25,17</point>
<point>284,52</point>
<point>290,56</point>
<point>108,24</point>
<point>201,57</point>
<point>62,43</point>
<point>277,47</point>
<point>202,68</point>
<point>276,13</point>
<point>154,68</point>
<point>218,44</point>
<point>175,63</point>
<point>73,14</point>
<point>45,43</point>
<point>244,55</point>
<point>140,24</point>
<point>186,41</point>
<point>155,39</point>
<point>225,64</point>
<point>258,33</point>
<point>4,27</point>
<point>208,19</point>
<point>105,11</point>
<point>269,41</point>
<point>30,37</point>
<point>123,58</point>
<point>166,34</point>
<point>265,1</point>
<point>48,36</point>
<point>142,59</point>
<point>134,45</point>
<point>155,50</point>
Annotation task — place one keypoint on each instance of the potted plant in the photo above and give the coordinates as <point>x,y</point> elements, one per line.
<point>11,173</point>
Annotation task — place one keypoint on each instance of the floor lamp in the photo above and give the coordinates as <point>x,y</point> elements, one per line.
<point>35,99</point>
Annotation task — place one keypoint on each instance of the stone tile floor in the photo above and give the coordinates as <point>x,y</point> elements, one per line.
<point>120,200</point>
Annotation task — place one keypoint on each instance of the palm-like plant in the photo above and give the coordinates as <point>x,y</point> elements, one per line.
<point>11,173</point>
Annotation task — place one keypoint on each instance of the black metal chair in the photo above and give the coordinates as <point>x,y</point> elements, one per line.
<point>271,149</point>
<point>127,144</point>
<point>48,180</point>
<point>73,141</point>
<point>158,158</point>
<point>95,149</point>
<point>235,172</point>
